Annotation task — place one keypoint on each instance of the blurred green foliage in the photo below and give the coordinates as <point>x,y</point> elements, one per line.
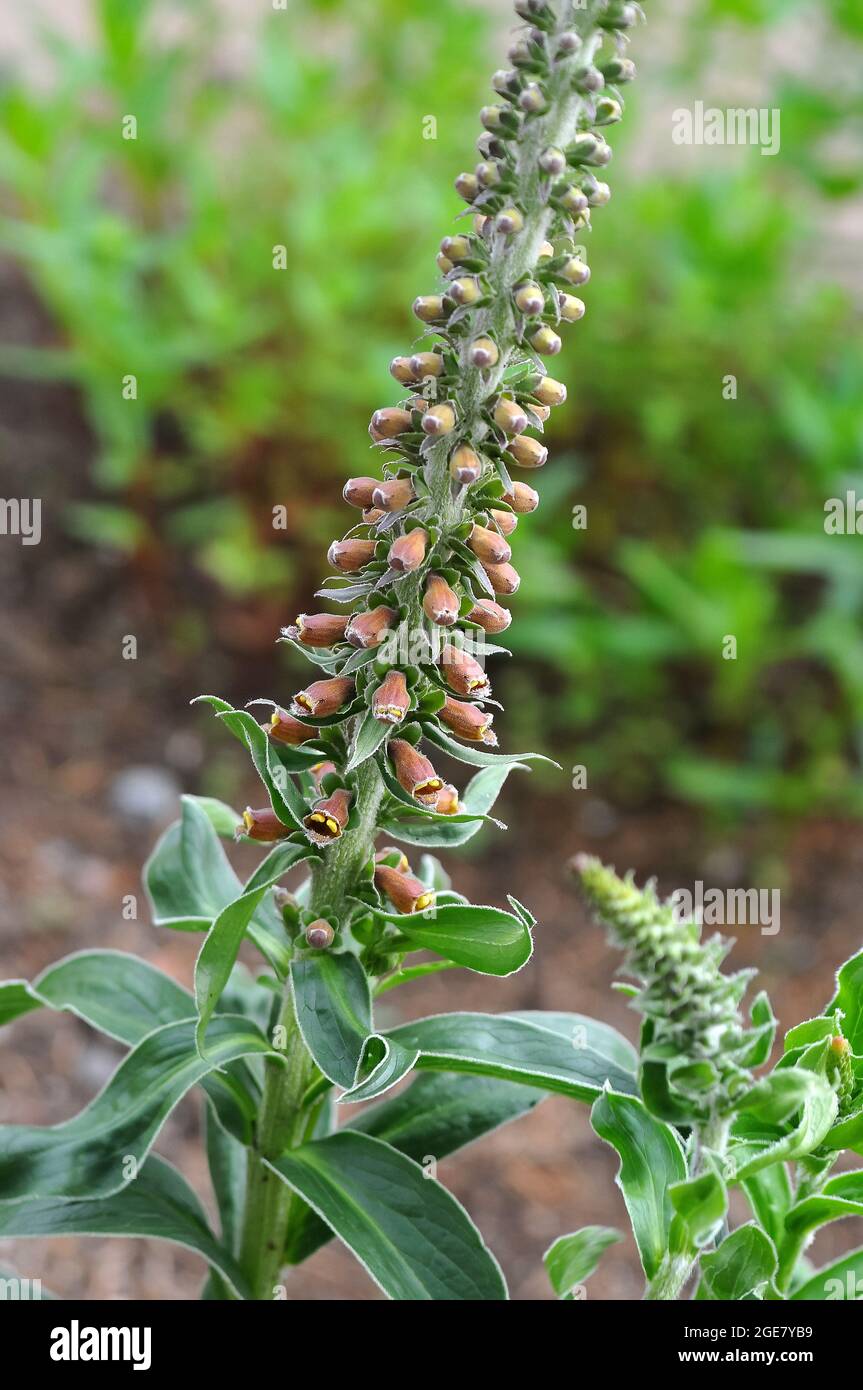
<point>705,514</point>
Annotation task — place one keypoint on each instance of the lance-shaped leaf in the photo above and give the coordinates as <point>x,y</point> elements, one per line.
<point>158,1204</point>
<point>476,753</point>
<point>740,1266</point>
<point>840,1196</point>
<point>437,1114</point>
<point>126,999</point>
<point>849,998</point>
<point>285,797</point>
<point>368,738</point>
<point>701,1204</point>
<point>407,1231</point>
<point>218,954</point>
<point>227,1161</point>
<point>334,1011</point>
<point>573,1258</point>
<point>514,1050</point>
<point>651,1161</point>
<point>817,1113</point>
<point>485,939</point>
<point>97,1152</point>
<point>479,797</point>
<point>189,882</point>
<point>841,1280</point>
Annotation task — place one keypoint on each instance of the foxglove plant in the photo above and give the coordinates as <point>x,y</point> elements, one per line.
<point>702,1125</point>
<point>346,766</point>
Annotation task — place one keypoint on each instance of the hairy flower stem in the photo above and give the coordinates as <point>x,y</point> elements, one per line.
<point>677,1267</point>
<point>284,1118</point>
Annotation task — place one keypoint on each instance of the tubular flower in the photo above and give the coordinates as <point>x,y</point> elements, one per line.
<point>327,819</point>
<point>468,721</point>
<point>406,893</point>
<point>409,551</point>
<point>490,616</point>
<point>440,602</point>
<point>350,554</point>
<point>415,772</point>
<point>393,496</point>
<point>503,578</point>
<point>358,492</point>
<point>318,629</point>
<point>323,698</point>
<point>447,802</point>
<point>391,701</point>
<point>463,672</point>
<point>264,825</point>
<point>371,628</point>
<point>489,545</point>
<point>283,728</point>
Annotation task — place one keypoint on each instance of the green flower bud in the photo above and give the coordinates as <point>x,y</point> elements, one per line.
<point>608,111</point>
<point>576,271</point>
<point>440,419</point>
<point>510,221</point>
<point>467,186</point>
<point>424,364</point>
<point>484,353</point>
<point>509,416</point>
<point>457,248</point>
<point>571,308</point>
<point>545,341</point>
<point>429,308</point>
<point>618,70</point>
<point>530,299</point>
<point>532,99</point>
<point>552,161</point>
<point>599,195</point>
<point>466,290</point>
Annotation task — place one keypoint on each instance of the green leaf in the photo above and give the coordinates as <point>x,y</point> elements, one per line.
<point>159,1204</point>
<point>476,754</point>
<point>740,1266</point>
<point>701,1204</point>
<point>573,1258</point>
<point>89,1155</point>
<point>849,998</point>
<point>840,1196</point>
<point>370,735</point>
<point>437,1114</point>
<point>223,818</point>
<point>581,1031</point>
<point>770,1195</point>
<point>334,1012</point>
<point>485,939</point>
<point>411,1236</point>
<point>479,797</point>
<point>285,797</point>
<point>218,954</point>
<point>514,1050</point>
<point>839,1281</point>
<point>227,1161</point>
<point>651,1161</point>
<point>817,1114</point>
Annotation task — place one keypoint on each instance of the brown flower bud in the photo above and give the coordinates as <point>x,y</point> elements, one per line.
<point>372,515</point>
<point>285,729</point>
<point>545,341</point>
<point>522,499</point>
<point>393,496</point>
<point>505,521</point>
<point>327,819</point>
<point>400,368</point>
<point>350,554</point>
<point>414,771</point>
<point>425,364</point>
<point>402,867</point>
<point>369,629</point>
<point>484,353</point>
<point>510,221</point>
<point>467,186</point>
<point>389,423</point>
<point>503,578</point>
<point>391,701</point>
<point>509,415</point>
<point>264,825</point>
<point>405,892</point>
<point>528,452</point>
<point>319,935</point>
<point>467,721</point>
<point>466,290</point>
<point>440,602</point>
<point>490,616</point>
<point>408,552</point>
<point>318,629</point>
<point>443,264</point>
<point>463,672</point>
<point>429,308</point>
<point>447,802</point>
<point>464,465</point>
<point>489,545</point>
<point>571,308</point>
<point>358,491</point>
<point>549,391</point>
<point>530,299</point>
<point>439,419</point>
<point>321,770</point>
<point>324,697</point>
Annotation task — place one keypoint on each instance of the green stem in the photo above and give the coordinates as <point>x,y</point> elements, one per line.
<point>284,1114</point>
<point>677,1267</point>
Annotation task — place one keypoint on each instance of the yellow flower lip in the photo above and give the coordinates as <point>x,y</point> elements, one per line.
<point>423,901</point>
<point>428,790</point>
<point>304,702</point>
<point>323,825</point>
